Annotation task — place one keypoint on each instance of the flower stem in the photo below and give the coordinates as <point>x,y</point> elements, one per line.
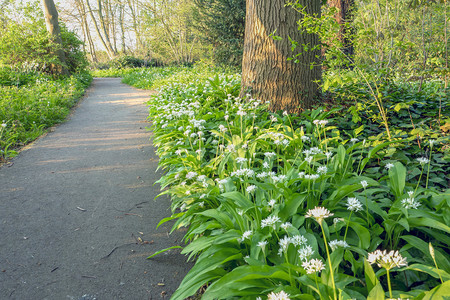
<point>428,171</point>
<point>348,223</point>
<point>317,285</point>
<point>389,283</point>
<point>418,182</point>
<point>329,261</point>
<point>367,208</point>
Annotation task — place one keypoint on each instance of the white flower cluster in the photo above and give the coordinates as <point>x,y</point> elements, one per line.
<point>298,241</point>
<point>334,244</point>
<point>270,155</point>
<point>305,252</point>
<point>389,166</point>
<point>222,128</point>
<point>410,202</point>
<point>243,172</point>
<point>312,151</point>
<point>191,175</point>
<point>322,123</point>
<point>245,235</point>
<point>278,296</point>
<point>318,213</point>
<point>423,160</point>
<point>313,266</point>
<point>354,204</point>
<point>387,260</point>
<point>270,221</point>
<point>278,138</point>
<point>251,189</point>
<point>198,123</point>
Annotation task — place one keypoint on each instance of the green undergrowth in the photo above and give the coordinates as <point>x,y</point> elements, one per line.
<point>322,205</point>
<point>113,72</point>
<point>32,102</point>
<point>156,77</point>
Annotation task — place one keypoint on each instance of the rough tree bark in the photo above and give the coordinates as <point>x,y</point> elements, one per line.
<point>266,72</point>
<point>52,24</point>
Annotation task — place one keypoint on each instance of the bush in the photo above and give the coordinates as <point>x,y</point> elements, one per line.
<point>26,45</point>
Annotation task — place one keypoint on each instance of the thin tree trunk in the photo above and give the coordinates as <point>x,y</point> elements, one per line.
<point>266,72</point>
<point>112,27</point>
<point>122,29</point>
<point>111,54</point>
<point>135,25</point>
<point>104,27</point>
<point>343,16</point>
<point>51,22</point>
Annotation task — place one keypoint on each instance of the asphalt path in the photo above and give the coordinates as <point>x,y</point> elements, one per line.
<point>77,211</point>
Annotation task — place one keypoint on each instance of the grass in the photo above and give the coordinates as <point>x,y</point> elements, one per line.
<point>30,103</point>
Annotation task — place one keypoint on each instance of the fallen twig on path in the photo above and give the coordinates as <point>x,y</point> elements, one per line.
<point>115,248</point>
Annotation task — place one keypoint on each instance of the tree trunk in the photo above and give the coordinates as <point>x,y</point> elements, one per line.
<point>105,42</point>
<point>343,16</point>
<point>122,28</point>
<point>104,25</point>
<point>133,10</point>
<point>266,72</point>
<point>84,24</point>
<point>51,22</point>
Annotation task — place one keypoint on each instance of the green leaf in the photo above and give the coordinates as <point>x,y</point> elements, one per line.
<point>377,293</point>
<point>291,206</point>
<point>209,266</point>
<point>400,105</point>
<point>223,218</point>
<point>430,271</point>
<point>419,244</point>
<point>397,177</point>
<point>442,291</point>
<point>363,234</point>
<point>415,222</point>
<point>247,276</point>
<point>369,274</point>
<point>239,199</point>
<point>164,250</point>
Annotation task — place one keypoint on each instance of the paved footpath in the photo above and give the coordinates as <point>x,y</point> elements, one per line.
<point>77,211</point>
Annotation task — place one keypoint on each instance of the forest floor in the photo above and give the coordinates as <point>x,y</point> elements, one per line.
<point>77,211</point>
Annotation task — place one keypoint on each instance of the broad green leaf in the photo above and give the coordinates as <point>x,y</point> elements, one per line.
<point>397,177</point>
<point>223,218</point>
<point>223,288</point>
<point>369,274</point>
<point>418,243</point>
<point>430,271</point>
<point>416,222</point>
<point>239,199</point>
<point>377,293</point>
<point>208,267</point>
<point>291,205</point>
<point>442,291</point>
<point>164,250</point>
<point>363,234</point>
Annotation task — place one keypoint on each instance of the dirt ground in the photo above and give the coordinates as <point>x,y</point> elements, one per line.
<point>77,211</point>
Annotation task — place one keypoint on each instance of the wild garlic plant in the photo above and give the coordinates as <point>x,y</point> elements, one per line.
<point>247,182</point>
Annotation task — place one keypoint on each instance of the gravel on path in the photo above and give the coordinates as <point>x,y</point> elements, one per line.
<point>77,211</point>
